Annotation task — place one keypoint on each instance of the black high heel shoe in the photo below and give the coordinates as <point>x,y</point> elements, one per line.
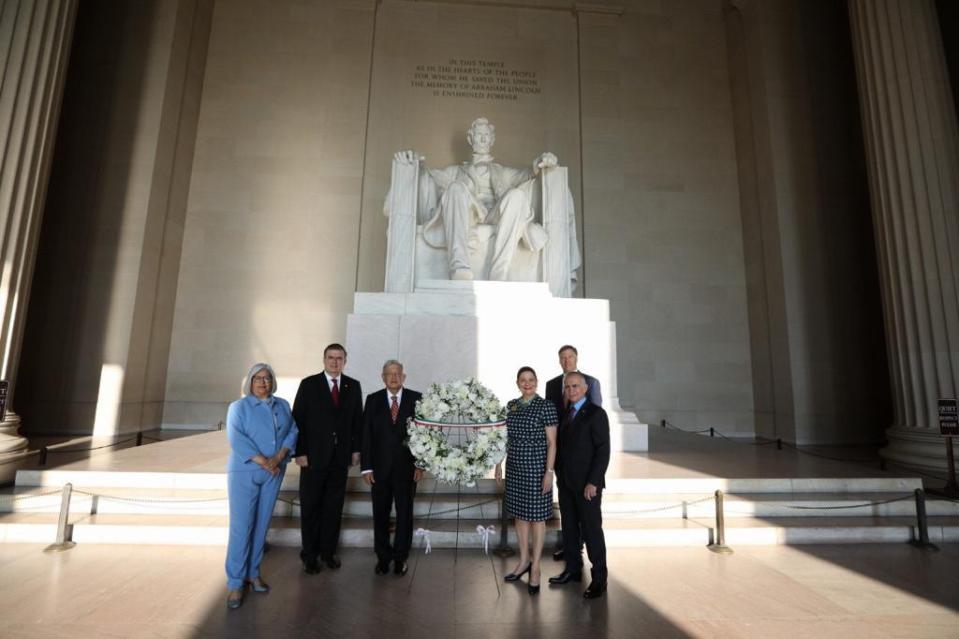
<point>514,576</point>
<point>532,588</point>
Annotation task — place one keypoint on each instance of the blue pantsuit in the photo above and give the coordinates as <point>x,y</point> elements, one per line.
<point>254,427</point>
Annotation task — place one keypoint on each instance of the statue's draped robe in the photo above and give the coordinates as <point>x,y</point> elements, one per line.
<point>447,195</point>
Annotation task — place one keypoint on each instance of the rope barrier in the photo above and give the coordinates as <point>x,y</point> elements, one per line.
<point>148,500</point>
<point>26,496</point>
<point>779,444</point>
<point>18,460</point>
<point>852,506</point>
<point>86,450</point>
<point>680,504</point>
<point>432,514</point>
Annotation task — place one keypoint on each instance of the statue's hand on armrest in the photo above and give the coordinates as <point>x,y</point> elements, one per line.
<point>545,161</point>
<point>408,156</point>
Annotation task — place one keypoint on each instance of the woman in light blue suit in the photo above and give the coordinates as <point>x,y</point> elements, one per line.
<point>262,433</point>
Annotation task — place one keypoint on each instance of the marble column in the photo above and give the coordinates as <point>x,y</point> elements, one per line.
<point>34,47</point>
<point>912,149</point>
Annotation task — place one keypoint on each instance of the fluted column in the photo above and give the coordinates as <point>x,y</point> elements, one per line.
<point>912,149</point>
<point>34,46</point>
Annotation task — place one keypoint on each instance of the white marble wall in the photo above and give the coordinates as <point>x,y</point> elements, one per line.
<point>271,233</point>
<point>662,228</point>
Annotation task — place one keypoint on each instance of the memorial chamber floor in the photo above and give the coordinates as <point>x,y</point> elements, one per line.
<point>820,550</point>
<point>820,592</point>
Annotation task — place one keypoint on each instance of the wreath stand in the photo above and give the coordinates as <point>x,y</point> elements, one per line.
<point>503,550</point>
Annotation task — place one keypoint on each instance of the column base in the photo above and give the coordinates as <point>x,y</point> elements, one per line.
<point>13,448</point>
<point>919,448</point>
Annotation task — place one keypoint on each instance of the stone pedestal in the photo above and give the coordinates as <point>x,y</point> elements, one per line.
<point>34,45</point>
<point>446,330</point>
<point>912,147</point>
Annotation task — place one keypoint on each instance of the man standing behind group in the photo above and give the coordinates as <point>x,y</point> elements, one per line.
<point>388,468</point>
<point>581,460</point>
<point>569,362</point>
<point>328,409</point>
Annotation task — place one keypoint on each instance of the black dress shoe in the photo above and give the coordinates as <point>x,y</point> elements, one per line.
<point>514,576</point>
<point>399,567</point>
<point>558,555</point>
<point>565,577</point>
<point>595,590</point>
<point>311,567</point>
<point>332,562</point>
<point>382,567</point>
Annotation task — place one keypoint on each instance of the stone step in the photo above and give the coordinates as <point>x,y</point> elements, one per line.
<point>212,530</point>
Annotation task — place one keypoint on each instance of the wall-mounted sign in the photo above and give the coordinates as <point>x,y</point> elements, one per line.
<point>948,418</point>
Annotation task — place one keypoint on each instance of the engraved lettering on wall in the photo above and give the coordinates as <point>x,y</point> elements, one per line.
<point>475,79</point>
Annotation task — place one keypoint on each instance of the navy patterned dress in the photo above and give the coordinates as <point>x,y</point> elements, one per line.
<point>526,458</point>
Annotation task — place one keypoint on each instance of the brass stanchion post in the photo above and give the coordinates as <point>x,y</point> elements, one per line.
<point>922,526</point>
<point>63,526</point>
<point>719,545</point>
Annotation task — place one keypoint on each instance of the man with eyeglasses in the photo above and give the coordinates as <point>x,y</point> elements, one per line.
<point>329,413</point>
<point>582,457</point>
<point>388,467</point>
<point>569,362</point>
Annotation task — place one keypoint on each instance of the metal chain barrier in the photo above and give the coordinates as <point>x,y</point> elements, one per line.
<point>778,442</point>
<point>16,499</point>
<point>85,450</point>
<point>148,500</point>
<point>862,505</point>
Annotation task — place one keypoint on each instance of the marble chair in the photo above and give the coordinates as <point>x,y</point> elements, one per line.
<point>410,260</point>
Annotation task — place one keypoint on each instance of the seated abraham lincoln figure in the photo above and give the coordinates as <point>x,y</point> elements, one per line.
<point>452,202</point>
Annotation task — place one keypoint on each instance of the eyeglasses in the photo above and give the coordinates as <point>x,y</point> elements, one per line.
<point>266,379</point>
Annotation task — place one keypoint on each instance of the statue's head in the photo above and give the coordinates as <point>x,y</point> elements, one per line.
<point>481,136</point>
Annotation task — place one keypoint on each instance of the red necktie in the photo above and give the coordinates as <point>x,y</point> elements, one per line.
<point>394,410</point>
<point>336,394</point>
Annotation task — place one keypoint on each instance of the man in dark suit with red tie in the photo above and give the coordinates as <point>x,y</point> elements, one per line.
<point>328,410</point>
<point>582,457</point>
<point>387,465</point>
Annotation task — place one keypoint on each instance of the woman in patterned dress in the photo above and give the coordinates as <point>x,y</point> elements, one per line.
<point>530,454</point>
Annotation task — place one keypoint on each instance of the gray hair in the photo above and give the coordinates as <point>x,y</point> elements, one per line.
<point>480,122</point>
<point>248,382</point>
<point>579,375</point>
<point>392,362</point>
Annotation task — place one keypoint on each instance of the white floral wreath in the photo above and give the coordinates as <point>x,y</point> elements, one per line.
<point>463,404</point>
